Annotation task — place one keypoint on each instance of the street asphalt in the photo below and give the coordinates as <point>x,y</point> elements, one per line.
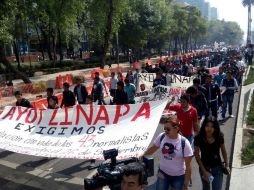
<point>24,172</point>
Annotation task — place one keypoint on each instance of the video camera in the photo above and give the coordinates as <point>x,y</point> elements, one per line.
<point>110,174</point>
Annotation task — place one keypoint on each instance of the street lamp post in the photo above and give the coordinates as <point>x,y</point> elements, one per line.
<point>249,24</point>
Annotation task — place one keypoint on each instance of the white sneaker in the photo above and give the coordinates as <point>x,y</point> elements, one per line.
<point>231,116</point>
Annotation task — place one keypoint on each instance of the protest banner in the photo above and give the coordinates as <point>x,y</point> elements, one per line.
<point>81,132</point>
<point>173,80</point>
<point>159,93</point>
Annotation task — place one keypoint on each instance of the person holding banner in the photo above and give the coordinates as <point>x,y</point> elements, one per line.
<point>97,93</point>
<point>22,101</point>
<point>80,92</point>
<point>130,89</point>
<point>159,80</point>
<point>50,93</point>
<point>68,96</point>
<point>121,96</point>
<point>175,157</point>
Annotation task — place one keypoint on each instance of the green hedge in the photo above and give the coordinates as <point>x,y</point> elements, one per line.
<point>250,78</point>
<point>250,115</point>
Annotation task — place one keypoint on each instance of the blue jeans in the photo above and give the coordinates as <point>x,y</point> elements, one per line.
<point>227,102</point>
<point>217,181</point>
<point>166,182</point>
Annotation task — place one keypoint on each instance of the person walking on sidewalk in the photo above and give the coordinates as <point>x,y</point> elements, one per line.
<point>230,85</point>
<point>175,158</point>
<point>209,142</point>
<point>22,101</point>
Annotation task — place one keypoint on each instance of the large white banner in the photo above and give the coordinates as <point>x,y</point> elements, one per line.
<point>172,80</point>
<point>81,132</point>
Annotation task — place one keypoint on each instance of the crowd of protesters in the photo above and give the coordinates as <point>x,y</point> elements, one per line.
<point>196,123</point>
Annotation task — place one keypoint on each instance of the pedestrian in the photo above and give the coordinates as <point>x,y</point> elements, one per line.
<point>209,142</point>
<point>130,89</point>
<point>219,76</point>
<point>187,115</point>
<point>159,80</point>
<point>199,87</point>
<point>175,157</point>
<point>22,101</point>
<point>113,85</point>
<point>68,96</point>
<point>50,93</point>
<point>52,102</point>
<point>230,85</point>
<point>80,91</point>
<point>102,82</point>
<point>97,93</point>
<point>121,96</point>
<point>198,101</point>
<point>213,96</point>
<point>130,76</point>
<point>120,76</point>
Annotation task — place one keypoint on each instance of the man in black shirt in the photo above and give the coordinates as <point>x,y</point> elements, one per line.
<point>213,96</point>
<point>80,92</point>
<point>121,96</point>
<point>198,101</point>
<point>159,80</point>
<point>97,92</point>
<point>50,92</point>
<point>22,101</point>
<point>197,85</point>
<point>68,96</point>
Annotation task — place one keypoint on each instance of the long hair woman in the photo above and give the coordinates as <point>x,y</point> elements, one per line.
<point>175,158</point>
<point>209,142</point>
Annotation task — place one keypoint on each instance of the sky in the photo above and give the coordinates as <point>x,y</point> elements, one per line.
<point>232,10</point>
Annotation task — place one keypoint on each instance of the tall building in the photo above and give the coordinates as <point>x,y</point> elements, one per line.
<point>206,10</point>
<point>214,13</point>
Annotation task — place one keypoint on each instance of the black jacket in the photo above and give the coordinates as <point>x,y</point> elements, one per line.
<point>84,92</point>
<point>24,103</point>
<point>120,98</point>
<point>213,92</point>
<point>200,103</point>
<point>68,99</point>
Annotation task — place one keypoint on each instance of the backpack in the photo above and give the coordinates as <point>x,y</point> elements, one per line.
<point>182,142</point>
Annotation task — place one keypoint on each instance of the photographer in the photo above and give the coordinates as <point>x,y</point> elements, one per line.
<point>134,177</point>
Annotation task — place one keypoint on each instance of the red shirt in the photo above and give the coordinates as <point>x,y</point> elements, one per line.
<point>186,118</point>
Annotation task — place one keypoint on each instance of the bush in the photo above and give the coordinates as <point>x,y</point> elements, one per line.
<point>250,115</point>
<point>248,152</point>
<point>250,78</point>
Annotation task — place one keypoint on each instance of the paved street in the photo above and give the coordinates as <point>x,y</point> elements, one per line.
<point>23,172</point>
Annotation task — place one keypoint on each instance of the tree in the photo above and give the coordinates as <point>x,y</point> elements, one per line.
<point>8,12</point>
<point>248,3</point>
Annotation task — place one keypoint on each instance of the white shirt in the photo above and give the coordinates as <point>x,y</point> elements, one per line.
<point>113,83</point>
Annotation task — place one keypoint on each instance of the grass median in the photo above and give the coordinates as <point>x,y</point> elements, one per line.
<point>248,142</point>
<point>250,78</point>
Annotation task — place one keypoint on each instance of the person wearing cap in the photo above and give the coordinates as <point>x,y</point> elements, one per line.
<point>175,157</point>
<point>230,84</point>
<point>68,96</point>
<point>213,96</point>
<point>80,91</point>
<point>187,115</point>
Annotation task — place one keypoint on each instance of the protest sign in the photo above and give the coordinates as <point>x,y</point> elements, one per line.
<point>160,93</point>
<point>81,132</point>
<point>172,80</point>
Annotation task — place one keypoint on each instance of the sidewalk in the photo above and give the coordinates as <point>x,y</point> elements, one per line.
<point>241,176</point>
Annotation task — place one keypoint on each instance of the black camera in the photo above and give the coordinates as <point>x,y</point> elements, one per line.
<point>110,174</point>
